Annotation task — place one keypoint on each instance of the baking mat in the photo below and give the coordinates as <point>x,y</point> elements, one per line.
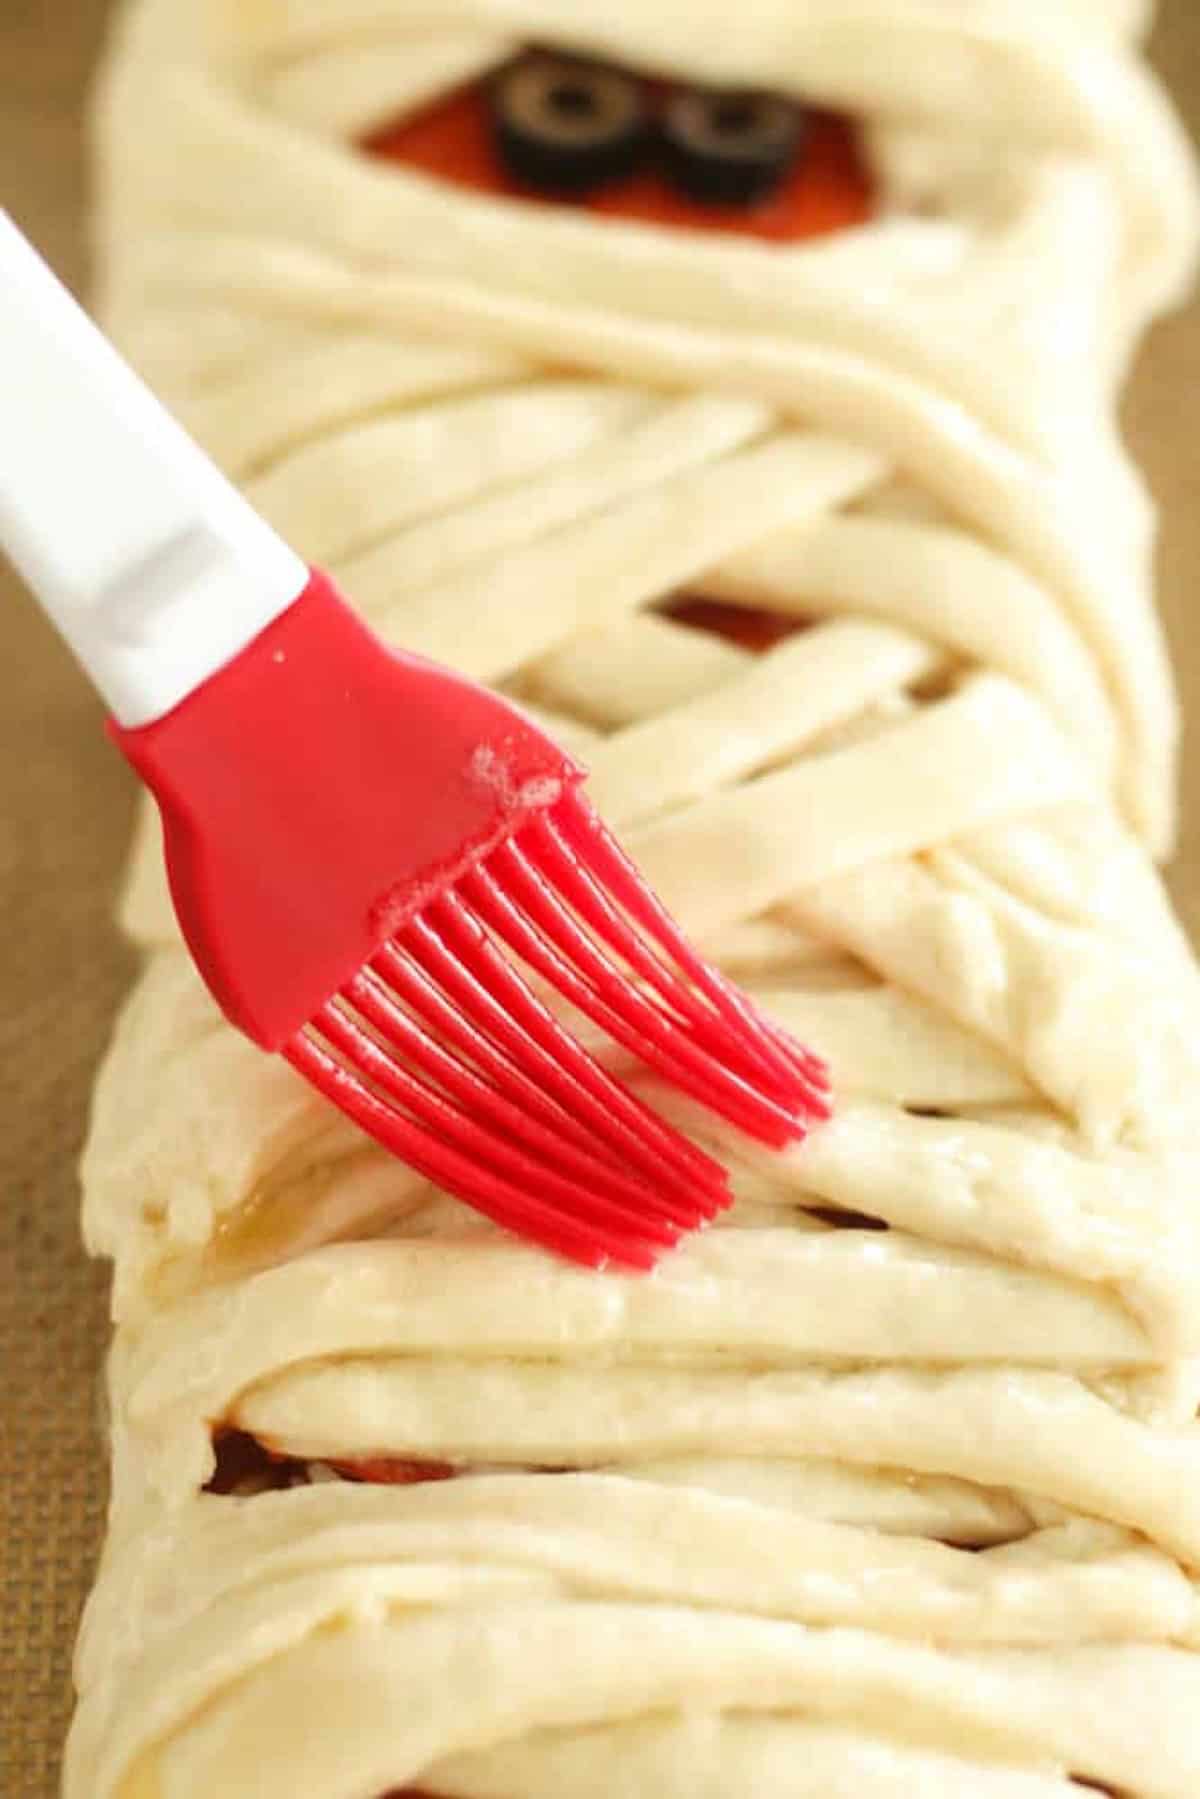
<point>65,806</point>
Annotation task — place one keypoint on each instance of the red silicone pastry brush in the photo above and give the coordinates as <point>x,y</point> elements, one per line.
<point>369,855</point>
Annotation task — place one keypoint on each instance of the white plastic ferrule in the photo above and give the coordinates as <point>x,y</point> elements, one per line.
<point>148,560</point>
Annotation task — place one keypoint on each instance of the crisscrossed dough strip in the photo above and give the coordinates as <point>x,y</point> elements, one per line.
<point>604,1535</point>
<point>1039,514</point>
<point>1121,1715</point>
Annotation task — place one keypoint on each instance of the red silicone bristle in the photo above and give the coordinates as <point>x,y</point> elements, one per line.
<point>593,1200</point>
<point>575,824</point>
<point>410,983</point>
<point>613,1156</point>
<point>478,1101</point>
<point>441,1050</point>
<point>523,1195</point>
<point>722,1019</point>
<point>565,1065</point>
<point>515,901</point>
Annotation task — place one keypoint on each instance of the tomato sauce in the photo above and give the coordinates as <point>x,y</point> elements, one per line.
<point>750,627</point>
<point>394,1471</point>
<point>828,189</point>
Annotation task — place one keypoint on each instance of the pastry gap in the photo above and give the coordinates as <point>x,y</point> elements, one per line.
<point>746,626</point>
<point>246,1467</point>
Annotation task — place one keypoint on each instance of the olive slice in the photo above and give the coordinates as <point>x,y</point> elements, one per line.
<point>729,146</point>
<point>565,126</point>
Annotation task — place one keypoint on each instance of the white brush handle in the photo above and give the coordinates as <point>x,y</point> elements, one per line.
<point>150,563</point>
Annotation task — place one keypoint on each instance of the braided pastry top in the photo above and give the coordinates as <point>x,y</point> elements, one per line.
<point>891,1483</point>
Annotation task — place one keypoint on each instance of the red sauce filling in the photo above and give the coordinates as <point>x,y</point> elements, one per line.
<point>246,1465</point>
<point>394,1471</point>
<point>828,189</point>
<point>750,627</point>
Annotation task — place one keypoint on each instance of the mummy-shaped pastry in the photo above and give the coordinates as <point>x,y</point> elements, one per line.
<point>793,500</point>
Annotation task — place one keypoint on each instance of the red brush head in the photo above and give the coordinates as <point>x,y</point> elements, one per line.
<point>316,792</point>
<point>365,850</point>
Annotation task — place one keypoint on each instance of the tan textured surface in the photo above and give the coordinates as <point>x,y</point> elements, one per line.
<point>63,815</point>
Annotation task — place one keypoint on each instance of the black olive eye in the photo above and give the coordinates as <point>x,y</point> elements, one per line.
<point>729,147</point>
<point>566,126</point>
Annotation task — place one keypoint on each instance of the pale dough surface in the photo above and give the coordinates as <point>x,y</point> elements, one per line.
<point>822,1510</point>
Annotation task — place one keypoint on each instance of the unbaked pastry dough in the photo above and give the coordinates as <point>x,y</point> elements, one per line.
<point>821,1508</point>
